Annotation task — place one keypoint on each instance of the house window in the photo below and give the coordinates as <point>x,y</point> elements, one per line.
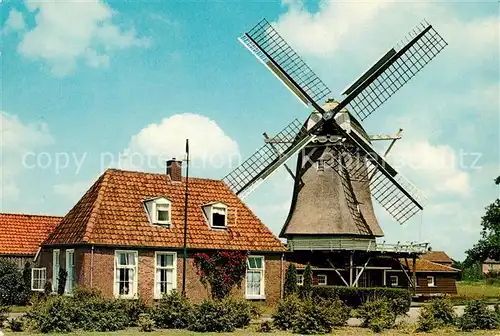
<point>394,280</point>
<point>70,269</point>
<point>165,273</point>
<point>255,278</point>
<point>219,216</point>
<point>38,278</point>
<point>300,279</point>
<point>322,280</point>
<point>126,274</point>
<point>430,281</point>
<point>56,265</point>
<point>162,213</point>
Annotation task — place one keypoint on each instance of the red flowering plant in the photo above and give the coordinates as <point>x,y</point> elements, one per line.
<point>221,270</point>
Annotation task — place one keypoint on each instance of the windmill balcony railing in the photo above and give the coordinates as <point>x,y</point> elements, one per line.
<point>359,245</point>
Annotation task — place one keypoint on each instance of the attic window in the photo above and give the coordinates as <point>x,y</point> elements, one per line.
<point>159,210</point>
<point>216,215</point>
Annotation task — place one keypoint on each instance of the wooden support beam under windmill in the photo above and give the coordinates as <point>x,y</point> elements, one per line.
<point>355,284</point>
<point>267,139</point>
<point>406,273</point>
<point>337,271</point>
<point>392,137</point>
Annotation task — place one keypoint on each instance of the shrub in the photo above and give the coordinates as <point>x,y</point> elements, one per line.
<point>265,327</point>
<point>308,281</point>
<point>83,294</point>
<point>312,318</point>
<point>4,313</point>
<point>355,296</point>
<point>337,311</point>
<point>53,315</point>
<point>437,314</point>
<point>13,290</point>
<point>211,316</point>
<point>132,309</point>
<point>16,324</point>
<point>290,286</point>
<point>173,311</point>
<point>240,312</point>
<point>285,312</point>
<point>377,315</point>
<point>478,316</point>
<point>47,288</point>
<point>61,284</point>
<point>100,314</point>
<point>146,323</point>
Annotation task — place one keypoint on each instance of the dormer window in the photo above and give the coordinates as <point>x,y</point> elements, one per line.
<point>216,215</point>
<point>159,210</point>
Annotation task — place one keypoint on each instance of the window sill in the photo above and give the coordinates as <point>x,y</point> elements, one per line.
<point>255,297</point>
<point>431,286</point>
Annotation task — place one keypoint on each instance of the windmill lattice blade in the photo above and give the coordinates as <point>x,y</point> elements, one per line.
<point>275,53</point>
<point>265,160</point>
<point>398,196</point>
<point>412,54</point>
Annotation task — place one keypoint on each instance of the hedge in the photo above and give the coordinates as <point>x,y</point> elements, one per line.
<point>355,296</point>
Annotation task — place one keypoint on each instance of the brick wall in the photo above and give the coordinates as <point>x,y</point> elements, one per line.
<point>99,273</point>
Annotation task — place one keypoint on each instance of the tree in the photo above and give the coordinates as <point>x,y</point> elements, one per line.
<point>308,281</point>
<point>61,285</point>
<point>488,245</point>
<point>12,287</point>
<point>290,280</point>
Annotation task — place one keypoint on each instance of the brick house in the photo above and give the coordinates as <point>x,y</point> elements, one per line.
<point>125,237</point>
<point>490,265</point>
<point>22,234</point>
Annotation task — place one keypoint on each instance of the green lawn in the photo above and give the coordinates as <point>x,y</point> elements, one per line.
<point>477,290</point>
<point>349,331</point>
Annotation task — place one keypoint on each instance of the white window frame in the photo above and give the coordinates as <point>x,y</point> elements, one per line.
<point>300,280</point>
<point>162,202</point>
<point>44,278</point>
<point>56,266</point>
<point>218,206</point>
<point>157,294</point>
<point>262,272</point>
<point>394,283</point>
<point>116,288</point>
<point>70,269</point>
<point>432,282</point>
<point>322,283</point>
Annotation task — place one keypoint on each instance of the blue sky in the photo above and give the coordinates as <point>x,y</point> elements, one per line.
<point>92,80</point>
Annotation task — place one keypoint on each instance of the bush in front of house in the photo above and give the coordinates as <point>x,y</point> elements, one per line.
<point>61,284</point>
<point>290,286</point>
<point>133,310</point>
<point>437,314</point>
<point>4,313</point>
<point>377,314</point>
<point>356,296</point>
<point>310,316</point>
<point>16,324</point>
<point>13,289</point>
<point>172,311</point>
<point>477,316</point>
<point>54,314</point>
<point>146,323</point>
<point>220,315</point>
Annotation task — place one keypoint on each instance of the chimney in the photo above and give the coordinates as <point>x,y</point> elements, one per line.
<point>174,170</point>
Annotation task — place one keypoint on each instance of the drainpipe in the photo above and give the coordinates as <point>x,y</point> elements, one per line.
<point>91,266</point>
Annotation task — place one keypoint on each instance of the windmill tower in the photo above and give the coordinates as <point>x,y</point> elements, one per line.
<point>338,171</point>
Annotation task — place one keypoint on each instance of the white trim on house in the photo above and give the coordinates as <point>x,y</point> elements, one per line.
<point>132,292</point>
<point>300,280</point>
<point>38,283</point>
<point>157,294</point>
<point>70,269</point>
<point>392,282</point>
<point>56,265</point>
<point>210,209</point>
<point>256,270</point>
<point>431,281</point>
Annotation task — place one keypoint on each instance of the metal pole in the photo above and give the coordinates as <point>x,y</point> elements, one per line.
<point>414,275</point>
<point>184,257</point>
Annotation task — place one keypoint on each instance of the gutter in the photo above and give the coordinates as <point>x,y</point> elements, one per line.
<point>91,266</point>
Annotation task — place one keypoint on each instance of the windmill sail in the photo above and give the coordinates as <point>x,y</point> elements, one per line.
<point>394,70</point>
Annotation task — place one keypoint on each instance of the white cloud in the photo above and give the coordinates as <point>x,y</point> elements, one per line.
<point>15,21</point>
<point>72,191</point>
<point>66,32</point>
<point>18,138</point>
<point>210,146</point>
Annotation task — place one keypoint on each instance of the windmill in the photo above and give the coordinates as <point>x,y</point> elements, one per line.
<point>338,171</point>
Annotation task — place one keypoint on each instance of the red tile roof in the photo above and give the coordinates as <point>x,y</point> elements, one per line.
<point>428,266</point>
<point>112,213</point>
<point>437,256</point>
<point>22,234</point>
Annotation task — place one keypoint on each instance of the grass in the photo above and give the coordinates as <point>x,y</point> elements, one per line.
<point>349,331</point>
<point>477,291</point>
